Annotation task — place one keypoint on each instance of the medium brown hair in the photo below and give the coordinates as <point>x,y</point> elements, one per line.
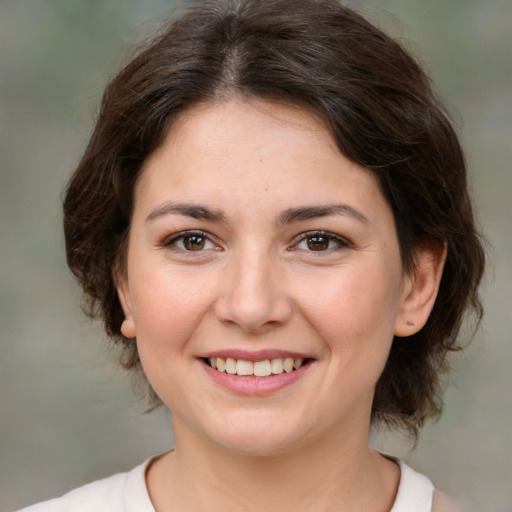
<point>379,106</point>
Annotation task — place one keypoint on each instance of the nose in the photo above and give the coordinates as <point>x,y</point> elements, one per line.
<point>253,294</point>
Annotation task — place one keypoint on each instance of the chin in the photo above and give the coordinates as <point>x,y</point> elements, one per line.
<point>260,437</point>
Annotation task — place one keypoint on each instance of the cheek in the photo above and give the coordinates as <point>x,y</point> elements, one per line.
<point>354,306</point>
<point>168,306</point>
<point>167,313</point>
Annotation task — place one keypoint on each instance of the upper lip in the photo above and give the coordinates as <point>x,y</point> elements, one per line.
<point>256,355</point>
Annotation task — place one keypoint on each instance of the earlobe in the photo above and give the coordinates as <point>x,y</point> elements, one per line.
<point>123,292</point>
<point>128,328</point>
<point>420,289</point>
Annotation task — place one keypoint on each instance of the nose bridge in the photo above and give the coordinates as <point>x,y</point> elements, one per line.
<point>253,295</point>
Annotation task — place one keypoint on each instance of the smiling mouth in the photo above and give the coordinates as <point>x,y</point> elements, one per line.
<point>264,368</point>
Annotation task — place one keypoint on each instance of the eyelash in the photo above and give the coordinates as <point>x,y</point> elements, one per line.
<point>341,243</point>
<point>174,240</point>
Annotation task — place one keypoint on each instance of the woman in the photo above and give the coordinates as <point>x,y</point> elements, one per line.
<point>272,218</point>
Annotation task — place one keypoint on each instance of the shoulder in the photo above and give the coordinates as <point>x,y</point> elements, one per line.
<point>121,492</point>
<point>106,492</point>
<point>416,492</point>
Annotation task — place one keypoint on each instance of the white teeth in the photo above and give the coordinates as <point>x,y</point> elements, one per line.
<point>258,368</point>
<point>221,364</point>
<point>276,366</point>
<point>244,367</point>
<point>230,366</point>
<point>288,365</point>
<point>262,368</point>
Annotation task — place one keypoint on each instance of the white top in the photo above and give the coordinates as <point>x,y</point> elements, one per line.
<point>127,492</point>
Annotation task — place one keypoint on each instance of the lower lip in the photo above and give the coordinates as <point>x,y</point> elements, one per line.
<point>255,386</point>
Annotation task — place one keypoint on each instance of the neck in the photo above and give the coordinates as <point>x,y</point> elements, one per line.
<point>315,477</point>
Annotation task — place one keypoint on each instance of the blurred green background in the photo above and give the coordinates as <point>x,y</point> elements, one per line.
<point>67,414</point>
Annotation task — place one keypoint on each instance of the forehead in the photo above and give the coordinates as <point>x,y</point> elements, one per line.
<point>255,125</point>
<point>254,150</point>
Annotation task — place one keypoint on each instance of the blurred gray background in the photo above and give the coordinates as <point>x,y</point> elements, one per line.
<point>67,414</point>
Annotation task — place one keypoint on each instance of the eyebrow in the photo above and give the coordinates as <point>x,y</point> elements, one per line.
<point>187,209</point>
<point>317,211</point>
<point>290,215</point>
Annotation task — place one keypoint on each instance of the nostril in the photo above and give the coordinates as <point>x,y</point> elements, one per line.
<point>251,311</point>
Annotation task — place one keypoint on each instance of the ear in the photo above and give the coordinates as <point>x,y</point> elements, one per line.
<point>123,292</point>
<point>420,288</point>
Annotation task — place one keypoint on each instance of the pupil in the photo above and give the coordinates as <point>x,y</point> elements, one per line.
<point>318,243</point>
<point>194,243</point>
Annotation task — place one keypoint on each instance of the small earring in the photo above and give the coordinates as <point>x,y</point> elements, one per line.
<point>409,323</point>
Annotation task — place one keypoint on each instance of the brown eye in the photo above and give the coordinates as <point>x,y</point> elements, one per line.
<point>317,243</point>
<point>194,242</point>
<point>320,241</point>
<point>190,241</point>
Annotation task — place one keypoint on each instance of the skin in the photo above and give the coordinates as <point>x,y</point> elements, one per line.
<point>260,280</point>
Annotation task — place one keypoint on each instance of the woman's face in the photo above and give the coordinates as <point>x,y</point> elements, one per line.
<point>254,242</point>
